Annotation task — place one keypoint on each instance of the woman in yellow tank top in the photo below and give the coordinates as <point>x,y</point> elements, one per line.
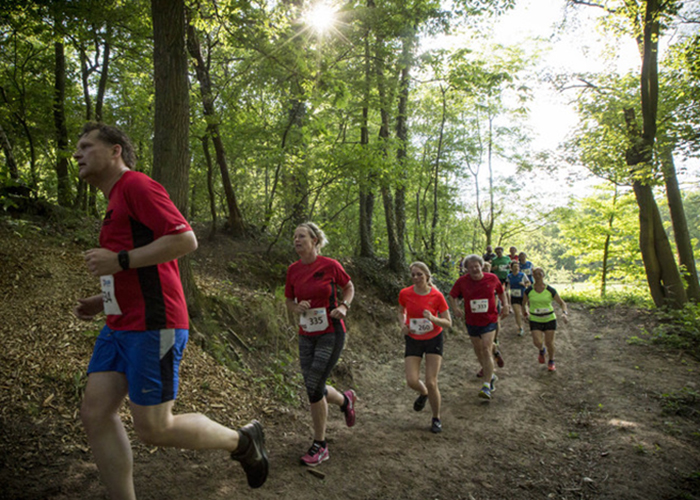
<point>538,307</point>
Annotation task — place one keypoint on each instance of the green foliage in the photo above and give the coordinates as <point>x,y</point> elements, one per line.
<point>684,403</point>
<point>605,217</point>
<point>281,379</point>
<point>679,329</point>
<point>632,296</point>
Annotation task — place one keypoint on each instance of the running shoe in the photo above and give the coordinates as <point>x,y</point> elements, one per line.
<point>499,359</point>
<point>349,408</point>
<point>480,373</point>
<point>436,426</point>
<point>551,366</point>
<point>316,455</point>
<point>540,358</point>
<point>485,392</point>
<point>492,386</point>
<point>521,333</point>
<point>254,458</point>
<point>419,403</point>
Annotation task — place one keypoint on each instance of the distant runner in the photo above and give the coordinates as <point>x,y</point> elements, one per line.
<point>489,255</point>
<point>513,256</point>
<point>537,303</point>
<point>500,265</point>
<point>525,266</point>
<point>516,284</point>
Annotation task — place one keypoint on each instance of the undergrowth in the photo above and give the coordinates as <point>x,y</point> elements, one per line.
<point>676,328</point>
<point>631,297</point>
<point>253,335</point>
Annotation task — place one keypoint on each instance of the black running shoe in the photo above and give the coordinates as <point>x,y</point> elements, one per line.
<point>253,459</point>
<point>436,427</point>
<point>419,403</point>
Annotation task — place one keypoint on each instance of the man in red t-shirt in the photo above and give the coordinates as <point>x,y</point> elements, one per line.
<point>478,290</point>
<point>139,350</point>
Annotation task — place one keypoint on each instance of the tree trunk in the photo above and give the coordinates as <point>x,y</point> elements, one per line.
<point>663,276</point>
<point>680,224</point>
<point>665,281</point>
<point>366,176</point>
<point>395,262</point>
<point>235,223</point>
<point>59,116</point>
<point>104,74</point>
<point>402,136</point>
<point>606,245</point>
<point>210,185</point>
<point>9,156</point>
<point>171,160</point>
<point>436,176</point>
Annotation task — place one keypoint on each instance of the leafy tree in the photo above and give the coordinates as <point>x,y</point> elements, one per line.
<point>601,233</point>
<point>645,21</point>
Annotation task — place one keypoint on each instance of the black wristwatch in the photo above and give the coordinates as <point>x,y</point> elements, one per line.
<point>123,257</point>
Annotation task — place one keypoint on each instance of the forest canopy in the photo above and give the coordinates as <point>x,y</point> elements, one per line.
<point>347,114</point>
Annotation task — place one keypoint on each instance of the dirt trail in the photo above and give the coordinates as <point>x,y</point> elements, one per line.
<point>594,429</point>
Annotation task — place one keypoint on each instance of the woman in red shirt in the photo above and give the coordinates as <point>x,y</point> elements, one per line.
<point>423,313</point>
<point>311,290</point>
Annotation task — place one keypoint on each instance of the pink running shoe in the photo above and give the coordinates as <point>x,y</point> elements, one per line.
<point>540,358</point>
<point>316,455</point>
<point>551,366</point>
<point>350,408</point>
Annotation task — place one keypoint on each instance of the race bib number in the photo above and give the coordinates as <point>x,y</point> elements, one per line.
<point>516,292</point>
<point>543,311</point>
<point>420,326</point>
<point>479,305</point>
<point>503,267</point>
<point>109,298</point>
<point>528,272</point>
<point>314,320</point>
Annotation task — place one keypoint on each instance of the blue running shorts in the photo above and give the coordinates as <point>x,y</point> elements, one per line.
<point>150,360</point>
<point>478,331</point>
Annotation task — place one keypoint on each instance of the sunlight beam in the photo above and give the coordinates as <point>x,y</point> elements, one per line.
<point>321,17</point>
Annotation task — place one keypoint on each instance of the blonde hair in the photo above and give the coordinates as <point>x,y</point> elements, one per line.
<point>315,232</point>
<point>426,270</point>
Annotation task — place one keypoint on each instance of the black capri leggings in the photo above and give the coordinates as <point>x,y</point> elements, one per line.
<point>318,354</point>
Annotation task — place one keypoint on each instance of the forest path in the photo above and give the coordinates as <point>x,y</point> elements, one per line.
<point>593,429</point>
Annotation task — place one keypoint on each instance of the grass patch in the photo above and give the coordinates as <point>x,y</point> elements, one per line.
<point>679,329</point>
<point>628,296</point>
<point>684,403</point>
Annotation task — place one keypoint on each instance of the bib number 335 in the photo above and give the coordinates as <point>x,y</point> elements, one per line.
<point>314,320</point>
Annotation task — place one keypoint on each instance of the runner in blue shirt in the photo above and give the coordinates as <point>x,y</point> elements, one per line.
<point>526,266</point>
<point>516,283</point>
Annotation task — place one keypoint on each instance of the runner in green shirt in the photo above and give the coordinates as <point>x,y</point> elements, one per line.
<point>500,266</point>
<point>538,307</point>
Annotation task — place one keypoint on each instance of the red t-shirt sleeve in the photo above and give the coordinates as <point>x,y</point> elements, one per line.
<point>341,277</point>
<point>151,205</point>
<point>442,303</point>
<point>456,291</point>
<point>288,286</point>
